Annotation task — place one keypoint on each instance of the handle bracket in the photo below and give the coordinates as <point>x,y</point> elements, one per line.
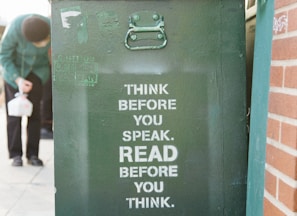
<point>146,31</point>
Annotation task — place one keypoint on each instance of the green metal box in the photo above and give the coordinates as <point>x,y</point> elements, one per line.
<point>149,107</point>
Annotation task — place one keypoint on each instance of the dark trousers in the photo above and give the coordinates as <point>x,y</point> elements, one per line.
<point>46,106</point>
<point>14,132</point>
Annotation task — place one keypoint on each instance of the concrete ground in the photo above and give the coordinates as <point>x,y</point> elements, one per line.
<point>26,190</point>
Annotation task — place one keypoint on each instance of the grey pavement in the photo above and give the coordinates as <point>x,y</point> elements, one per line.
<point>26,190</point>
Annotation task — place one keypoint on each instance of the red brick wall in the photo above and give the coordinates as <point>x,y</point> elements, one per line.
<point>280,195</point>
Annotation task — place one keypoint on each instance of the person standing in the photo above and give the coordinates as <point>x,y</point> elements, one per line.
<point>25,61</point>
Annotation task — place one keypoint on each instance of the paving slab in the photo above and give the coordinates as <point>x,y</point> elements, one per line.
<point>26,190</point>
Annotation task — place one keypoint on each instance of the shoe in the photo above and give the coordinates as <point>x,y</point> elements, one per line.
<point>46,134</point>
<point>35,161</point>
<point>17,161</point>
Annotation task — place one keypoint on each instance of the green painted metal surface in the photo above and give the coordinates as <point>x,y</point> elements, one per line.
<point>154,131</point>
<point>259,108</point>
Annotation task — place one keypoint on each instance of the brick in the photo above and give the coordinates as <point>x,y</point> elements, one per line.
<point>283,104</point>
<point>271,210</point>
<point>282,161</point>
<point>289,135</point>
<point>284,49</point>
<point>292,18</point>
<point>291,77</point>
<point>276,76</point>
<point>288,196</point>
<point>270,183</point>
<point>273,129</point>
<point>282,3</point>
<point>280,23</point>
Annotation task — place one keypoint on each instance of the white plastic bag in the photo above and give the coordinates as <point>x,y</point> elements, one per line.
<point>20,106</point>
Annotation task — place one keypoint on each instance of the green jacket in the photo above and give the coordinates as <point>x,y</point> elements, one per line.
<point>19,57</point>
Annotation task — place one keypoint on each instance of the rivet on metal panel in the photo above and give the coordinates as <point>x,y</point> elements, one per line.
<point>133,37</point>
<point>160,36</point>
<point>155,17</point>
<point>135,17</point>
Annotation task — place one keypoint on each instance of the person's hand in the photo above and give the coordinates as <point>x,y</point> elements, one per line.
<point>25,86</point>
